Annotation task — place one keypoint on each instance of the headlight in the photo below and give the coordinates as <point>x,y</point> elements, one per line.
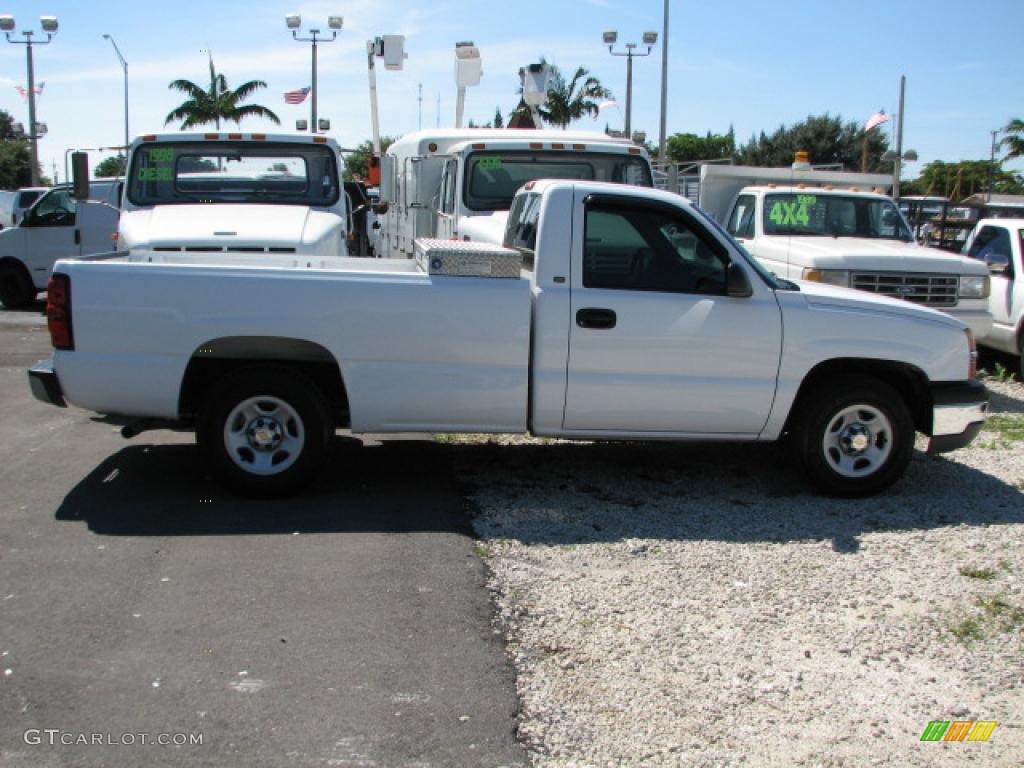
<point>831,276</point>
<point>974,287</point>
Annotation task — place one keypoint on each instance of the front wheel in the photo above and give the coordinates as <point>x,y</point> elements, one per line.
<point>855,436</point>
<point>264,431</point>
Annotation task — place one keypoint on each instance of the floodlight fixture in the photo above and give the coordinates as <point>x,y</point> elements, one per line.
<point>335,22</point>
<point>293,20</point>
<point>48,23</point>
<point>610,37</point>
<point>7,23</point>
<point>650,38</point>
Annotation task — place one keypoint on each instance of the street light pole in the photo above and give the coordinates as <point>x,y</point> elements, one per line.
<point>124,65</point>
<point>293,22</point>
<point>662,145</point>
<point>610,37</point>
<point>49,25</point>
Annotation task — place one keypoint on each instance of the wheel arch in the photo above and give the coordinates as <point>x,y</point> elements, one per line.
<point>220,357</point>
<point>908,380</point>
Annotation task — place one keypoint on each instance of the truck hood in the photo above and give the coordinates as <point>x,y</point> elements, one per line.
<point>484,227</point>
<point>865,254</point>
<point>825,295</point>
<point>230,226</point>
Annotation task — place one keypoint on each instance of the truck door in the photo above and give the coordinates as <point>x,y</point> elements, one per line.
<point>95,222</point>
<point>446,208</point>
<point>50,233</point>
<point>993,245</point>
<point>655,343</point>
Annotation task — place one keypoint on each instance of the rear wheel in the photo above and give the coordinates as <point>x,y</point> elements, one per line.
<point>16,289</point>
<point>855,436</point>
<point>264,431</point>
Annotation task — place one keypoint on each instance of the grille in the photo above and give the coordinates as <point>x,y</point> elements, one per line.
<point>930,290</point>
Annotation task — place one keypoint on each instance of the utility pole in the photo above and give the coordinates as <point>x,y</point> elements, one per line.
<point>419,98</point>
<point>662,140</point>
<point>992,167</point>
<point>897,163</point>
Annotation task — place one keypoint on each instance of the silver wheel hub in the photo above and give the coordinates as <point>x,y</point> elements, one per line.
<point>264,435</point>
<point>858,441</point>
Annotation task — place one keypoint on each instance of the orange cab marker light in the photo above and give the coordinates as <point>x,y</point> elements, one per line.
<point>479,146</point>
<point>211,135</point>
<point>319,139</point>
<point>529,185</point>
<point>579,146</point>
<point>234,135</point>
<point>536,145</point>
<point>558,146</point>
<point>149,137</point>
<point>432,147</point>
<point>634,151</point>
<point>258,136</point>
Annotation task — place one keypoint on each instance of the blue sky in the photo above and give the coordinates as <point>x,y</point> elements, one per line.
<point>754,65</point>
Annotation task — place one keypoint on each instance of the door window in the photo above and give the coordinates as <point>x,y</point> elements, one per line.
<point>57,209</point>
<point>645,249</point>
<point>741,223</point>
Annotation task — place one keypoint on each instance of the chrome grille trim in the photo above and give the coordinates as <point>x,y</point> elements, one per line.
<point>930,290</point>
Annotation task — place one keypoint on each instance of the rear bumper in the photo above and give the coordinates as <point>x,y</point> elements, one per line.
<point>45,384</point>
<point>958,414</point>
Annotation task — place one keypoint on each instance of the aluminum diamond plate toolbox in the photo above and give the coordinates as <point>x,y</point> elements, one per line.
<point>459,258</point>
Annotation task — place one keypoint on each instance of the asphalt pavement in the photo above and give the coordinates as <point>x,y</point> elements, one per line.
<point>141,603</point>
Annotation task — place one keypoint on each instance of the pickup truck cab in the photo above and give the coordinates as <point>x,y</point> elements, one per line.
<point>611,312</point>
<point>838,227</point>
<point>57,226</point>
<point>998,244</point>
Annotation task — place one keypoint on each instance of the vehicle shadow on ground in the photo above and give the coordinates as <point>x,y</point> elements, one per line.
<point>165,490</point>
<point>37,307</point>
<point>564,494</point>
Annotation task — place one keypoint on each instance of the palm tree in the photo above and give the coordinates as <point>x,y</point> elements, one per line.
<point>569,101</point>
<point>1014,138</point>
<point>218,103</point>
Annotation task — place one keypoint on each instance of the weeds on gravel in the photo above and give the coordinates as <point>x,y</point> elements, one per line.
<point>985,574</point>
<point>1001,373</point>
<point>966,631</point>
<point>1009,430</point>
<point>1010,617</point>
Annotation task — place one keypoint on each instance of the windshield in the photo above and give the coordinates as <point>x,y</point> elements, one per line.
<point>233,172</point>
<point>833,216</point>
<point>492,178</point>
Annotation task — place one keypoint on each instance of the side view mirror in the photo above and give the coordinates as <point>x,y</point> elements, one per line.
<point>998,263</point>
<point>80,175</point>
<point>737,284</point>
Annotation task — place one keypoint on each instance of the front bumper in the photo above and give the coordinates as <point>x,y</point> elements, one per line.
<point>958,414</point>
<point>45,384</point>
<point>978,320</point>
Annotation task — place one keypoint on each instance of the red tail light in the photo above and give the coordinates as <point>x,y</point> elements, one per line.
<point>58,312</point>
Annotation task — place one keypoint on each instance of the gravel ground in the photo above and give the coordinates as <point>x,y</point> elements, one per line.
<point>670,605</point>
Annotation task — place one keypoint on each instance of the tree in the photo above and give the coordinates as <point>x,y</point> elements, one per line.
<point>570,100</point>
<point>217,103</point>
<point>964,178</point>
<point>499,122</point>
<point>827,139</point>
<point>1014,138</point>
<point>357,161</point>
<point>111,166</point>
<point>689,147</point>
<point>15,160</point>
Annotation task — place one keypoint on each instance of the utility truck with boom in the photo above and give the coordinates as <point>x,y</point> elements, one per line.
<point>458,184</point>
<point>840,228</point>
<point>610,312</point>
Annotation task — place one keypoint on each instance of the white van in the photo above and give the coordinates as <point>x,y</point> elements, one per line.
<point>57,226</point>
<point>14,204</point>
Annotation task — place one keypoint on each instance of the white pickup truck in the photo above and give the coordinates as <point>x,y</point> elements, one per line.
<point>613,312</point>
<point>999,245</point>
<point>236,194</point>
<point>837,227</point>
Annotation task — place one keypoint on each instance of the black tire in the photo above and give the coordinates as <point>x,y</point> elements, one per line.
<point>1020,355</point>
<point>264,431</point>
<point>16,289</point>
<point>855,436</point>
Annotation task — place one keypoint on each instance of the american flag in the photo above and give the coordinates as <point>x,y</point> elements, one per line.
<point>297,96</point>
<point>23,92</point>
<point>875,120</point>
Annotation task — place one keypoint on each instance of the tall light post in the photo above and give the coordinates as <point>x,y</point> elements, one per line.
<point>293,21</point>
<point>662,139</point>
<point>124,65</point>
<point>49,25</point>
<point>610,37</point>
